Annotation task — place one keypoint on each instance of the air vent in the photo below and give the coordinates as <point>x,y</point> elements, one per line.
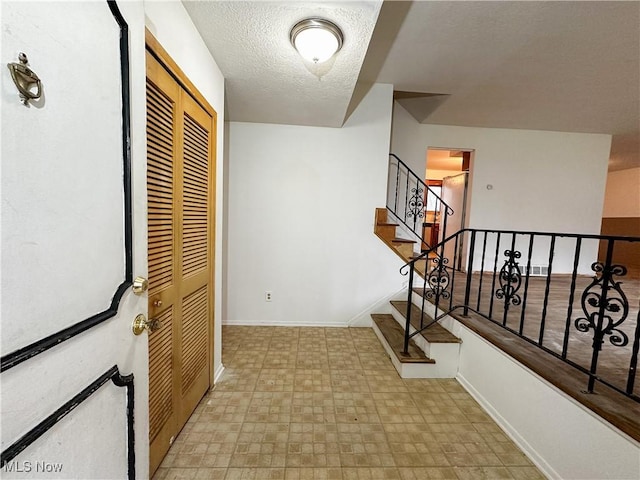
<point>535,270</point>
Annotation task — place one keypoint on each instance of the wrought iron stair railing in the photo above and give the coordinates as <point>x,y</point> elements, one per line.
<point>567,294</point>
<point>414,203</point>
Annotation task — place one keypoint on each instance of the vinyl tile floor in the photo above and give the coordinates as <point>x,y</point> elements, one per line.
<point>326,403</point>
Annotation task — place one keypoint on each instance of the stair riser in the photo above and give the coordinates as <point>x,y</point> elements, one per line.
<point>408,370</point>
<point>421,266</point>
<point>388,232</point>
<point>447,322</point>
<point>446,355</point>
<point>405,249</point>
<point>429,307</point>
<point>418,339</point>
<point>381,215</point>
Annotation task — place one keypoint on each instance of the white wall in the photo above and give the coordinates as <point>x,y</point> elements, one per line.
<point>406,139</point>
<point>172,26</point>
<point>622,195</point>
<point>539,181</point>
<point>301,210</point>
<point>563,438</point>
<point>545,181</point>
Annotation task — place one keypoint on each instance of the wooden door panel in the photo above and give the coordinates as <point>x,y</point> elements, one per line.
<point>196,255</point>
<point>180,263</point>
<point>195,313</point>
<point>195,232</point>
<point>163,141</point>
<point>162,411</point>
<point>161,152</point>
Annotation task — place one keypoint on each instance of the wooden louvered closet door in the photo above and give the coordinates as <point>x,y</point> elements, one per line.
<point>179,179</point>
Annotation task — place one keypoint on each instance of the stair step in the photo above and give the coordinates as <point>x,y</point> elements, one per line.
<point>403,240</point>
<point>386,224</point>
<point>430,256</point>
<point>394,335</point>
<point>435,333</point>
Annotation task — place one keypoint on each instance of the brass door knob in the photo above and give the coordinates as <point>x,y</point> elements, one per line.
<point>157,303</point>
<point>140,324</point>
<point>140,285</point>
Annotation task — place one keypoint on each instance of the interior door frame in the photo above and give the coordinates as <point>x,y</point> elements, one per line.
<point>154,47</point>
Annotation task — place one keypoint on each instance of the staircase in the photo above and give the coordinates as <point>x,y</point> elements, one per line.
<point>403,247</point>
<point>569,338</point>
<point>433,353</point>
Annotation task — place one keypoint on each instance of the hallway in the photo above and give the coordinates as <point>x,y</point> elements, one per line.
<point>326,403</point>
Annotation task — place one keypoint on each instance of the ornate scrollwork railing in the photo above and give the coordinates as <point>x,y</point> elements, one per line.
<point>438,279</point>
<point>415,207</point>
<point>555,316</point>
<point>605,306</point>
<point>407,199</point>
<point>510,279</point>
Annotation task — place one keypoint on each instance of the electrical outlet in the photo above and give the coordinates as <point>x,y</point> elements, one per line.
<point>267,296</point>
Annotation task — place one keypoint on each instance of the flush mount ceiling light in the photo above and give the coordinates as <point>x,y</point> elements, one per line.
<point>316,39</point>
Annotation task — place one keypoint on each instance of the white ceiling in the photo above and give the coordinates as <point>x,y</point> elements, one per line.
<point>563,66</point>
<point>266,80</point>
<point>442,160</point>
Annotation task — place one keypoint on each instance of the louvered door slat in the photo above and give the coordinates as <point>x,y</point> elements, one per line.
<point>194,336</point>
<point>195,197</point>
<point>160,111</point>
<point>160,375</point>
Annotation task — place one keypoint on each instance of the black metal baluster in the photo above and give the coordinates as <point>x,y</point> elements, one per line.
<point>406,198</point>
<point>419,206</point>
<point>507,300</point>
<point>598,333</point>
<point>633,365</point>
<point>424,300</point>
<point>444,227</point>
<point>467,290</point>
<point>408,316</point>
<point>526,285</point>
<point>395,205</point>
<point>546,290</point>
<point>576,261</point>
<point>453,273</point>
<point>495,267</point>
<point>424,245</point>
<point>484,250</point>
<point>425,283</point>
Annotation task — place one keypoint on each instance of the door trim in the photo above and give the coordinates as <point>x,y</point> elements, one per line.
<point>45,425</point>
<point>156,50</point>
<point>161,55</point>
<point>20,355</point>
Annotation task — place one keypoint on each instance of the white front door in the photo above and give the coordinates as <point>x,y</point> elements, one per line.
<point>74,377</point>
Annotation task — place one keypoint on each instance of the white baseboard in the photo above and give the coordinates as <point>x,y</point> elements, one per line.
<point>218,374</point>
<point>275,323</point>
<point>559,435</point>
<point>363,319</point>
<point>527,449</point>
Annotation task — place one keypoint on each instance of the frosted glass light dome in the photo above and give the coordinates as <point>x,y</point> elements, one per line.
<point>316,39</point>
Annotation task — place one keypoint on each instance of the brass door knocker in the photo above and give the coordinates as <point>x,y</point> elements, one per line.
<point>27,82</point>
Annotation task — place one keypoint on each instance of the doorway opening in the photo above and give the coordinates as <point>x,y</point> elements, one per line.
<point>447,174</point>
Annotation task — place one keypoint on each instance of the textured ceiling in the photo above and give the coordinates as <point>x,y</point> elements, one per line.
<point>266,80</point>
<point>562,66</point>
